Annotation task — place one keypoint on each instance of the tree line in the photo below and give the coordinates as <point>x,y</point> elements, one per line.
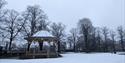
<point>85,37</point>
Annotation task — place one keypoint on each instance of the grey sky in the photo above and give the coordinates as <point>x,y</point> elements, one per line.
<point>110,13</point>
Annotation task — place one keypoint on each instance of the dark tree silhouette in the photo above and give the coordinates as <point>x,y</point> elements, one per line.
<point>58,31</point>
<point>112,34</point>
<point>93,40</point>
<point>99,39</point>
<point>74,36</point>
<point>105,32</point>
<point>70,42</point>
<point>85,26</point>
<point>121,37</point>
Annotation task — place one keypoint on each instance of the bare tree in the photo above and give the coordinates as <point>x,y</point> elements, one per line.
<point>74,36</point>
<point>85,26</point>
<point>70,42</point>
<point>58,31</point>
<point>3,12</point>
<point>2,3</point>
<point>98,31</point>
<point>12,25</point>
<point>43,25</point>
<point>121,36</point>
<point>35,20</point>
<point>112,34</point>
<point>93,40</point>
<point>105,32</point>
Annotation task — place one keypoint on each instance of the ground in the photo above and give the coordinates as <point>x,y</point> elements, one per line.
<point>74,58</point>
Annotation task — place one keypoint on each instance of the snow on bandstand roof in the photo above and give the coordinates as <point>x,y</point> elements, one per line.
<point>43,33</point>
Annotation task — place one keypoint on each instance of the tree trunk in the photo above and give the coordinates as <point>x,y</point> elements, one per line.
<point>106,45</point>
<point>41,45</point>
<point>28,48</point>
<point>86,43</point>
<point>122,45</point>
<point>59,46</point>
<point>10,43</point>
<point>114,50</point>
<point>99,44</point>
<point>74,47</point>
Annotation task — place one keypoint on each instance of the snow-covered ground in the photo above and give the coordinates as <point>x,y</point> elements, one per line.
<point>74,58</point>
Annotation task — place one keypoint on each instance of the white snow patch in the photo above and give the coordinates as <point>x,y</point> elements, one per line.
<point>34,45</point>
<point>74,58</point>
<point>45,43</point>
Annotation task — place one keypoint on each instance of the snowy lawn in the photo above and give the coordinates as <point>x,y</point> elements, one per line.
<point>74,58</point>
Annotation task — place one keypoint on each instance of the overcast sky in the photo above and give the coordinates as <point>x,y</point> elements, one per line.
<point>110,13</point>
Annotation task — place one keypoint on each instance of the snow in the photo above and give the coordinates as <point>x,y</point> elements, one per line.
<point>45,43</point>
<point>34,44</point>
<point>43,33</point>
<point>74,58</point>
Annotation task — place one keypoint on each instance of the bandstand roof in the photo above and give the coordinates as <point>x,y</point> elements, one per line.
<point>43,33</point>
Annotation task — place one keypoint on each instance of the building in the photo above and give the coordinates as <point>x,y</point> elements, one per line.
<point>42,44</point>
